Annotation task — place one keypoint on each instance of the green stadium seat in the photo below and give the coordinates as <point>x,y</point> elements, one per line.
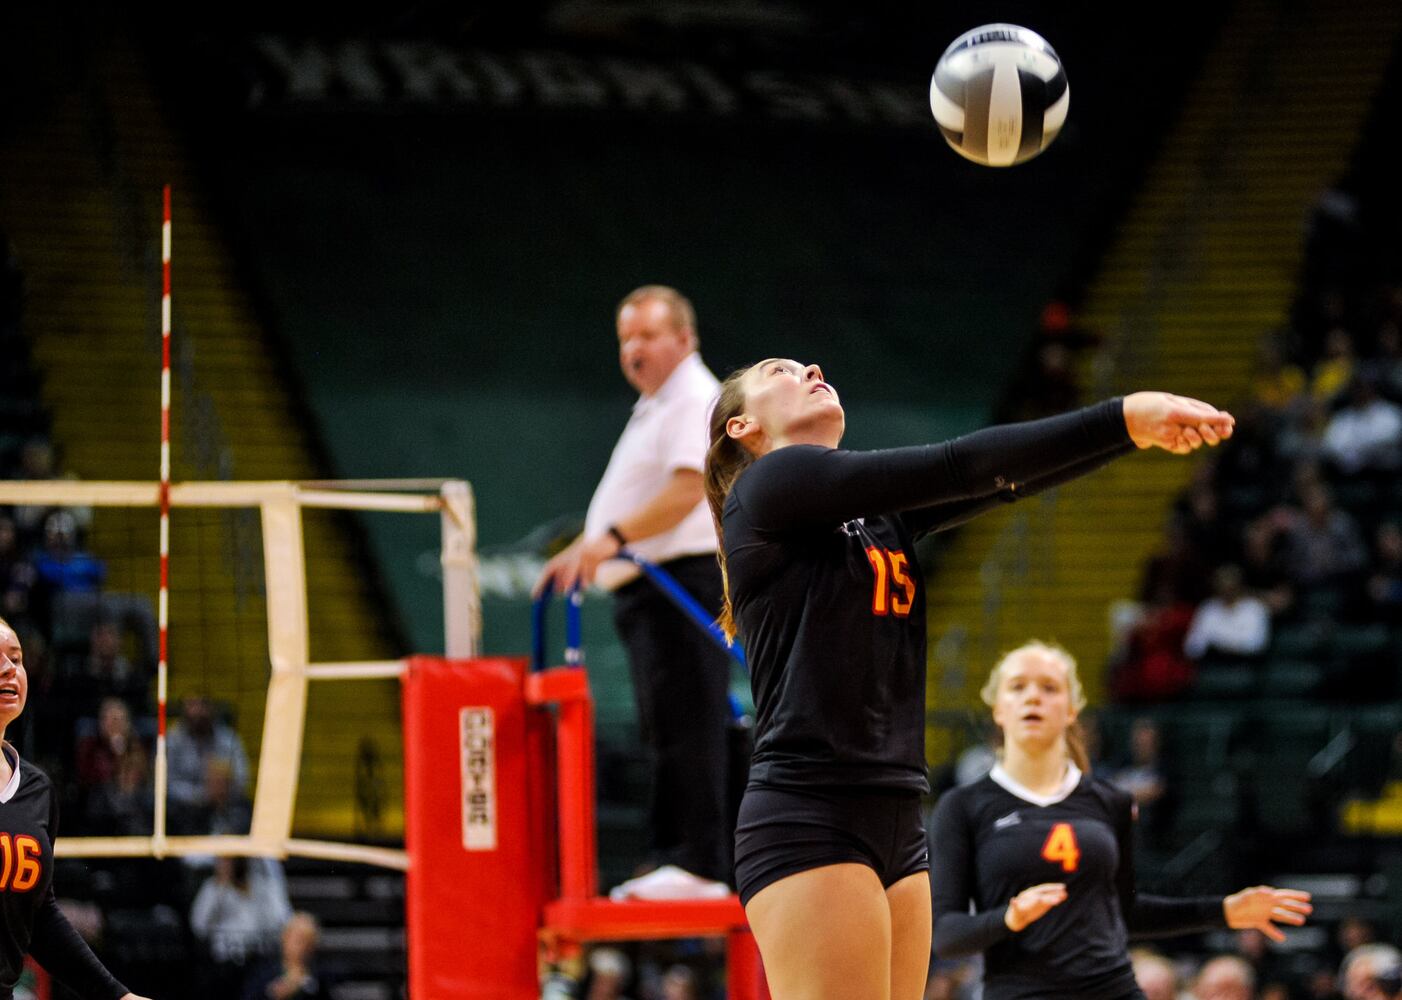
<point>1324,602</point>
<point>1292,678</point>
<point>1357,496</point>
<point>1298,641</point>
<point>1224,680</point>
<point>1361,642</point>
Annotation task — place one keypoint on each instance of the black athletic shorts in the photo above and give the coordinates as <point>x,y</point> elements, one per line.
<point>784,831</point>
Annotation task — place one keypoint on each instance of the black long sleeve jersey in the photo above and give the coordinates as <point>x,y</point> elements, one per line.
<point>990,842</point>
<point>828,598</point>
<point>32,922</point>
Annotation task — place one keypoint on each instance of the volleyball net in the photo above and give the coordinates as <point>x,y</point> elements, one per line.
<point>274,620</point>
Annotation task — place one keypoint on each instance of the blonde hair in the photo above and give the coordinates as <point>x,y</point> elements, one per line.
<point>726,458</point>
<point>683,313</point>
<point>1075,735</point>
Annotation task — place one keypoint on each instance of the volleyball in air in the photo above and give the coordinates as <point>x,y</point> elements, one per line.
<point>999,94</point>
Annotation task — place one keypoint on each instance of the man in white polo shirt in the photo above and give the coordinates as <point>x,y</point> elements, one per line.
<point>651,500</point>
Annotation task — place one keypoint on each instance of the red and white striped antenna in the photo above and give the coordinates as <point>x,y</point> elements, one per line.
<point>163,612</point>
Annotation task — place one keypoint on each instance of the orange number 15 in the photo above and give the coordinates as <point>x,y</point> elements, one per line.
<point>894,593</point>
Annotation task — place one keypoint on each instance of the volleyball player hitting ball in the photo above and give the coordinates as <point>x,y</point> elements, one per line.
<point>30,921</point>
<point>822,586</point>
<point>1045,853</point>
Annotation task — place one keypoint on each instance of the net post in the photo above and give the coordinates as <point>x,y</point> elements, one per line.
<point>289,650</point>
<point>462,605</point>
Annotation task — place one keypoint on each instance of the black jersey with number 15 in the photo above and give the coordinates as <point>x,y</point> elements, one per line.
<point>829,600</point>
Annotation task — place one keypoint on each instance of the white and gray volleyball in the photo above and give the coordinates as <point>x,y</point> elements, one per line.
<point>999,94</point>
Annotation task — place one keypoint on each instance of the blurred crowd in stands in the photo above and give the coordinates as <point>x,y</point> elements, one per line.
<point>1280,569</point>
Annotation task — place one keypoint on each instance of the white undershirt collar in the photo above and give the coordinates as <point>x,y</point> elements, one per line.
<point>11,786</point>
<point>1069,781</point>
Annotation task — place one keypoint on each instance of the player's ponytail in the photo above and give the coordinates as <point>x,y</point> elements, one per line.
<point>1076,747</point>
<point>725,460</point>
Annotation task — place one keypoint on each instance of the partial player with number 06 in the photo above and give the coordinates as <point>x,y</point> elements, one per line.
<point>31,923</point>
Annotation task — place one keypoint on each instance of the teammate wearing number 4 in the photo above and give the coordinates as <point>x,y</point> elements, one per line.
<point>1043,850</point>
<point>30,921</point>
<point>818,556</point>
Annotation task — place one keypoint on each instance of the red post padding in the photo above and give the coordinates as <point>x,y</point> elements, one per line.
<point>476,838</point>
<point>499,824</point>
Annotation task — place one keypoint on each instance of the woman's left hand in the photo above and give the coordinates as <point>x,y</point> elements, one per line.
<point>1263,906</point>
<point>133,996</point>
<point>1175,423</point>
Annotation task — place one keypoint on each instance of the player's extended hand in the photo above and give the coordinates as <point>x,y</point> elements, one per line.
<point>1033,904</point>
<point>133,996</point>
<point>576,564</point>
<point>1175,423</point>
<point>1264,906</point>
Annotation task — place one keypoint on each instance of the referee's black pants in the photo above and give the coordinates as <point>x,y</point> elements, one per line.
<point>681,685</point>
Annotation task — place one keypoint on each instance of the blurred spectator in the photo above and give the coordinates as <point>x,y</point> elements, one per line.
<point>61,565</point>
<point>1385,584</point>
<point>1144,779</point>
<point>99,755</point>
<point>679,983</point>
<point>1369,972</point>
<point>124,804</point>
<point>237,915</point>
<point>194,740</point>
<point>1364,435</point>
<point>1157,978</point>
<point>1323,545</point>
<point>1264,565</point>
<point>956,979</point>
<point>38,460</point>
<point>1321,985</point>
<point>1254,948</point>
<point>1335,368</point>
<point>293,974</point>
<point>1354,932</point>
<point>1388,363</point>
<point>1225,977</point>
<point>1206,530</point>
<point>1056,324</point>
<point>1301,437</point>
<point>227,809</point>
<point>1152,666</point>
<point>1177,569</point>
<point>1047,385</point>
<point>609,970</point>
<point>1232,622</point>
<point>105,672</point>
<point>1334,244</point>
<point>1251,460</point>
<point>1275,384</point>
<point>1046,382</point>
<point>17,576</point>
<point>1143,776</point>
